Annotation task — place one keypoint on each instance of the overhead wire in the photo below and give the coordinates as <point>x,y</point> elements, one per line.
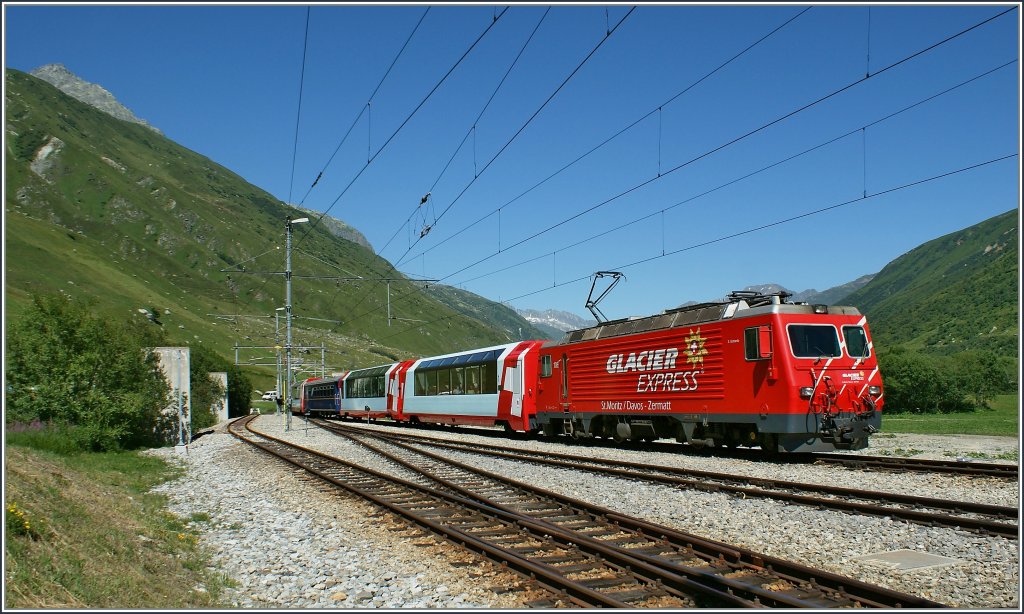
<point>363,109</point>
<point>608,33</point>
<point>745,232</point>
<point>402,125</point>
<point>807,106</point>
<point>748,175</point>
<point>731,142</point>
<point>612,137</point>
<point>535,113</point>
<point>393,267</point>
<point>474,124</point>
<point>298,111</point>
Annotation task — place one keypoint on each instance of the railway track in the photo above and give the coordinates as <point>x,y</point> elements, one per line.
<point>995,470</point>
<point>755,579</point>
<point>854,461</point>
<point>585,575</point>
<point>981,518</point>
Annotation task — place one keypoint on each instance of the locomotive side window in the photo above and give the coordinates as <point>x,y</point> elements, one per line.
<point>545,366</point>
<point>814,341</point>
<point>757,343</point>
<point>856,342</point>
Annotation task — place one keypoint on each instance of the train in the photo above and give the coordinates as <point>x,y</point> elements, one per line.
<point>754,370</point>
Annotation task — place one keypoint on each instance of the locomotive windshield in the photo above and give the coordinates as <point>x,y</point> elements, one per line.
<point>810,341</point>
<point>856,341</point>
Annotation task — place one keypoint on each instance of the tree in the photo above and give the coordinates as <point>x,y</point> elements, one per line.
<point>239,391</point>
<point>205,390</point>
<point>70,367</point>
<point>980,374</point>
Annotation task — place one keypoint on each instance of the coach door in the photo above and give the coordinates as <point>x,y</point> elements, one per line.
<point>514,383</point>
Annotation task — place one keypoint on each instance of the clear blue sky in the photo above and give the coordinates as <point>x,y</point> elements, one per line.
<point>224,81</point>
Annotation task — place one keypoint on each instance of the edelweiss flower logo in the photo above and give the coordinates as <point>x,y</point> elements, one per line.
<point>695,350</point>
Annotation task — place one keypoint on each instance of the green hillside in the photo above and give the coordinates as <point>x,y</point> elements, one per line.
<point>957,292</point>
<point>102,208</point>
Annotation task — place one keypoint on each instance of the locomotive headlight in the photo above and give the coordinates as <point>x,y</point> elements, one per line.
<point>820,308</point>
<point>806,392</point>
<point>874,390</point>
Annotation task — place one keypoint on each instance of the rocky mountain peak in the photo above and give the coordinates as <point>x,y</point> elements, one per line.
<point>91,94</point>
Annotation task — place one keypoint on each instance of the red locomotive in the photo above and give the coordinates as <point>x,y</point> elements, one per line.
<point>751,371</point>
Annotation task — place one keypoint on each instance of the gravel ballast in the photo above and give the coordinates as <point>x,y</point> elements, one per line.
<point>291,542</point>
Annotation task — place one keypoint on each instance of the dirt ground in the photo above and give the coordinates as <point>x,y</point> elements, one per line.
<point>979,448</point>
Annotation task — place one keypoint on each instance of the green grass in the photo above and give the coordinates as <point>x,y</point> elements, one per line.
<point>264,407</point>
<point>84,531</point>
<point>1001,418</point>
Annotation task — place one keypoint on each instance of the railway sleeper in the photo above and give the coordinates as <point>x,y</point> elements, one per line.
<point>555,559</point>
<point>496,531</point>
<point>573,567</point>
<point>604,583</point>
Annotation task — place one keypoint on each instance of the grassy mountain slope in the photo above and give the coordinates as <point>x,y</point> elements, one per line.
<point>505,319</point>
<point>103,208</point>
<point>957,292</point>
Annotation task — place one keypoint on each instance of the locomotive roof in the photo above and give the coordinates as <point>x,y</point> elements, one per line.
<point>751,303</point>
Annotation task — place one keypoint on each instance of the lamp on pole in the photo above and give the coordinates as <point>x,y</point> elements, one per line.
<point>288,316</point>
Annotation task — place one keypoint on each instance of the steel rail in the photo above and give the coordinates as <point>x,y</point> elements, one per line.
<point>858,461</point>
<point>846,499</point>
<point>996,470</point>
<point>805,580</point>
<point>444,514</point>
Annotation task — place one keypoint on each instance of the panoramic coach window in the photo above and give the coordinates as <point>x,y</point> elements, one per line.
<point>856,341</point>
<point>462,374</point>
<point>814,341</point>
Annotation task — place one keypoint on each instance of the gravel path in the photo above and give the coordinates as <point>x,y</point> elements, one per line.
<point>289,543</point>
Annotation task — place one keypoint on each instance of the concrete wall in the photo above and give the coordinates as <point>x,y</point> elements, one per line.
<point>174,362</point>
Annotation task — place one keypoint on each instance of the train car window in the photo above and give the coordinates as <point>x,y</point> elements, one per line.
<point>814,341</point>
<point>444,381</point>
<point>489,377</point>
<point>473,379</point>
<point>421,384</point>
<point>545,366</point>
<point>856,342</point>
<point>757,342</point>
<point>751,350</point>
<point>459,380</point>
<point>431,383</point>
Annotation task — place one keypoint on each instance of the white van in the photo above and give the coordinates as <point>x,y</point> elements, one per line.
<point>270,395</point>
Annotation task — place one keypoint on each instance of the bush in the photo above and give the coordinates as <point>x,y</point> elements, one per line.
<point>73,368</point>
<point>923,383</point>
